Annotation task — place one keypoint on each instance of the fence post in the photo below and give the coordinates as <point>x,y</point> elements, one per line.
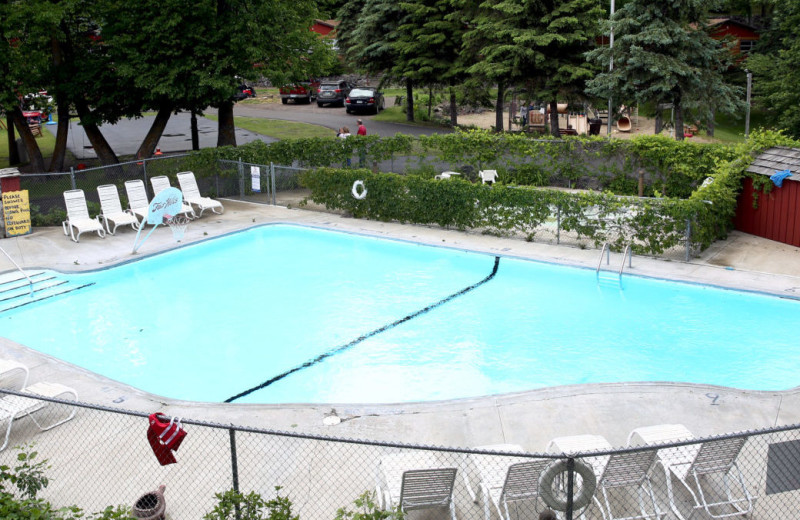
<point>241,179</point>
<point>272,181</point>
<point>570,485</point>
<point>688,238</point>
<point>234,467</point>
<point>558,224</point>
<point>72,178</point>
<point>144,173</point>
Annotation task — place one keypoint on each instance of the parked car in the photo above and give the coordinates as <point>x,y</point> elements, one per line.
<point>302,92</point>
<point>244,92</point>
<point>332,92</point>
<point>364,99</point>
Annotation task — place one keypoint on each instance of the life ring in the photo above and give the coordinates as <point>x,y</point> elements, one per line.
<point>359,194</point>
<point>552,497</point>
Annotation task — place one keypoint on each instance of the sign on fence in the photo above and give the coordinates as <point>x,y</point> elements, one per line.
<point>17,213</point>
<point>255,179</point>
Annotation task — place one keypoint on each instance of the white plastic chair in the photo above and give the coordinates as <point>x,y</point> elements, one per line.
<point>78,219</point>
<point>111,211</point>
<point>13,407</point>
<point>8,367</point>
<point>138,202</point>
<point>488,176</point>
<point>160,183</point>
<point>191,194</point>
<point>692,464</point>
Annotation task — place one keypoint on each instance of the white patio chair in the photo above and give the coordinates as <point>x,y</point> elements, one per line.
<point>423,487</point>
<point>78,219</point>
<point>138,203</point>
<point>694,465</point>
<point>160,183</point>
<point>8,367</point>
<point>191,194</point>
<point>111,211</point>
<point>13,407</point>
<point>488,176</point>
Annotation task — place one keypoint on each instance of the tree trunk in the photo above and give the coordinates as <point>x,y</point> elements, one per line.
<point>430,101</point>
<point>453,106</point>
<point>659,122</point>
<point>62,132</point>
<point>226,133</point>
<point>95,136</point>
<point>409,100</point>
<point>150,141</point>
<point>710,124</point>
<point>678,118</point>
<point>13,153</point>
<point>498,108</point>
<point>195,133</point>
<point>554,118</point>
<point>34,153</point>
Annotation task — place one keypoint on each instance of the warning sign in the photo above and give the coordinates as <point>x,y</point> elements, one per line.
<point>16,213</point>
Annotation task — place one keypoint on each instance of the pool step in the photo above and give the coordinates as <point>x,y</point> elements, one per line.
<point>16,291</point>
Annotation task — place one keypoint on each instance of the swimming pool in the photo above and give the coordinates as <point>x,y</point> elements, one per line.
<point>345,318</point>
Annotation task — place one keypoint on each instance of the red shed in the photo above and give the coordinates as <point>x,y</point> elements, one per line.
<point>325,27</point>
<point>744,35</point>
<point>777,213</point>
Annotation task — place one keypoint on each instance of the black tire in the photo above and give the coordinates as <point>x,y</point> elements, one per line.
<point>348,111</point>
<point>320,104</point>
<point>307,101</point>
<point>284,101</point>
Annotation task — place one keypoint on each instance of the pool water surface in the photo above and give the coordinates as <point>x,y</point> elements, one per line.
<point>332,317</point>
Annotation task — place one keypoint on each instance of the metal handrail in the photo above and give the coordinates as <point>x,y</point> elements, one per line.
<point>607,251</point>
<point>30,282</point>
<point>629,253</point>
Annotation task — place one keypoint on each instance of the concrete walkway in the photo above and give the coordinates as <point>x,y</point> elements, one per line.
<point>529,419</point>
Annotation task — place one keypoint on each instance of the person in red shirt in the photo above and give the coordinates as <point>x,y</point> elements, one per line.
<point>362,130</point>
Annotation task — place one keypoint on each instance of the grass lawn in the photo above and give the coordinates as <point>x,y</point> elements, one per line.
<point>46,144</point>
<point>280,129</point>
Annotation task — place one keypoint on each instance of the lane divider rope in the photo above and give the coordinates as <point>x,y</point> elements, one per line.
<point>342,348</point>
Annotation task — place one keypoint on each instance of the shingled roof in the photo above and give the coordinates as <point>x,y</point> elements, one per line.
<point>777,159</point>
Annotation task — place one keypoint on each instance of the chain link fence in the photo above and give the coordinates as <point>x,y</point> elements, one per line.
<point>103,457</point>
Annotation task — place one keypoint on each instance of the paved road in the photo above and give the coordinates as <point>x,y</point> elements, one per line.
<point>126,136</point>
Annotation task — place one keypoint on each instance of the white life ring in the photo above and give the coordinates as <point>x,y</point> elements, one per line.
<point>359,194</point>
<point>552,497</point>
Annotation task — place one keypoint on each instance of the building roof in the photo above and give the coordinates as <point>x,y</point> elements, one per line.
<point>330,23</point>
<point>777,159</point>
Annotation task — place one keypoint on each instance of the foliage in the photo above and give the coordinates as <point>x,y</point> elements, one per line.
<point>663,54</point>
<point>367,509</point>
<point>233,504</point>
<point>775,72</point>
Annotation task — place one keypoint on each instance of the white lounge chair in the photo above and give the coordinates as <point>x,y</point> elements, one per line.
<point>137,200</point>
<point>8,367</point>
<point>446,175</point>
<point>78,219</point>
<point>191,194</point>
<point>488,176</point>
<point>111,211</point>
<point>13,407</point>
<point>693,465</point>
<point>160,183</point>
<point>425,487</point>
<point>614,473</point>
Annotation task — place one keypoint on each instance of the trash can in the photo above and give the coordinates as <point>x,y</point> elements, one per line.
<point>594,126</point>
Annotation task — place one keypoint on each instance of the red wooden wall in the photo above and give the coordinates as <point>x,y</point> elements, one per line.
<point>778,214</point>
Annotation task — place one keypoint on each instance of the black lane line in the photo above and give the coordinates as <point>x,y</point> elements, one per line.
<point>47,297</point>
<point>358,340</point>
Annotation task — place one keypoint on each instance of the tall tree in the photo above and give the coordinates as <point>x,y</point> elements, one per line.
<point>429,47</point>
<point>663,54</point>
<point>776,74</point>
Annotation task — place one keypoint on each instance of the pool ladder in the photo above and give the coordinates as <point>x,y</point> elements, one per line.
<point>613,280</point>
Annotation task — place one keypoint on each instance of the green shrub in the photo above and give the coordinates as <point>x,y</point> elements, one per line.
<point>234,505</point>
<point>367,509</point>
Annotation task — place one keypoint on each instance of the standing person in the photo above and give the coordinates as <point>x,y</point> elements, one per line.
<point>344,133</point>
<point>362,154</point>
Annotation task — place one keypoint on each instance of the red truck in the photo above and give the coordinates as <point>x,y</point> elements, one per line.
<point>302,92</point>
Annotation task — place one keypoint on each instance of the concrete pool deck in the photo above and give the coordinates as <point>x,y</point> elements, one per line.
<point>529,419</point>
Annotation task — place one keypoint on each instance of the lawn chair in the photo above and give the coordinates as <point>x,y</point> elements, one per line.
<point>425,487</point>
<point>8,367</point>
<point>111,211</point>
<point>13,407</point>
<point>138,202</point>
<point>191,194</point>
<point>78,216</point>
<point>160,183</point>
<point>695,465</point>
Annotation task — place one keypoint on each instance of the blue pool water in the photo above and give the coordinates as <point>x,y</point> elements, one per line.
<point>213,320</point>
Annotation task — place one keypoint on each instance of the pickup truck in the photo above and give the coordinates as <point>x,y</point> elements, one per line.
<point>302,92</point>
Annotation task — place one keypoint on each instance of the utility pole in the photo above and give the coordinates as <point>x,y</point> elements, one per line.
<point>747,108</point>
